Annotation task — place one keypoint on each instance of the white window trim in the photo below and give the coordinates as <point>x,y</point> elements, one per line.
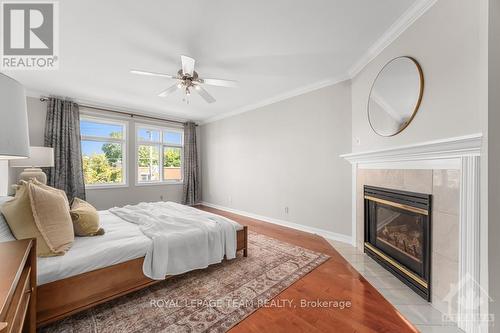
<point>161,144</point>
<point>123,141</point>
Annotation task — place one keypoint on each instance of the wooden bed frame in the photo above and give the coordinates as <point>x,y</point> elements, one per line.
<point>59,299</point>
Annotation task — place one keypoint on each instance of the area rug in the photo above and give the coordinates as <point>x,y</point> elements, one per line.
<point>210,300</point>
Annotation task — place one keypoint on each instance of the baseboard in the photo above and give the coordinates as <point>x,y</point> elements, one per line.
<point>321,232</point>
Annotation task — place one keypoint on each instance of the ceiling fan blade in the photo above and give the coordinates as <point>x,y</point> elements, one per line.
<point>219,82</point>
<point>204,94</point>
<point>137,71</point>
<point>169,90</point>
<point>187,65</point>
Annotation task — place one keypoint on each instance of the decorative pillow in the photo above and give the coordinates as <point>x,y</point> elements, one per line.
<point>51,214</point>
<point>85,218</point>
<point>50,188</point>
<point>5,233</point>
<point>5,199</point>
<point>19,217</point>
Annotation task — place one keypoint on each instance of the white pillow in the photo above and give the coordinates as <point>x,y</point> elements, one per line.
<point>5,233</point>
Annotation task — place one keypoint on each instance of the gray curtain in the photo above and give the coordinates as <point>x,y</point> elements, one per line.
<point>62,132</point>
<point>191,188</point>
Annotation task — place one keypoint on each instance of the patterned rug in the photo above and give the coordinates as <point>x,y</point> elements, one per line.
<point>210,300</point>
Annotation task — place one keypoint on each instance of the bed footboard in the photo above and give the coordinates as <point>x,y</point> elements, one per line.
<point>242,240</point>
<point>63,298</point>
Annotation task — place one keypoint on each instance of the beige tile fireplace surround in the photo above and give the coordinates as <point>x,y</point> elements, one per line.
<point>444,185</point>
<point>449,169</point>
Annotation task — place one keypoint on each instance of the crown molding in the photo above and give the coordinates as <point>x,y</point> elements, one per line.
<point>278,98</point>
<point>395,30</point>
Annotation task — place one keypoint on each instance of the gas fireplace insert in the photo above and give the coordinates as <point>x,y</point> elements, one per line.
<point>398,235</point>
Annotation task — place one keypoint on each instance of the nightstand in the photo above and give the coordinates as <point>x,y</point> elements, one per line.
<point>18,286</point>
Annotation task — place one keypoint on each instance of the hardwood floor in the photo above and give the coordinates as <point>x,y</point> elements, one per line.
<point>333,280</point>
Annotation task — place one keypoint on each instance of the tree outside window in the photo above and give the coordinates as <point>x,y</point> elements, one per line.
<point>102,146</point>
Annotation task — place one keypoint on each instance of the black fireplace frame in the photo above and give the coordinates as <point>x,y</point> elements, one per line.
<point>419,282</point>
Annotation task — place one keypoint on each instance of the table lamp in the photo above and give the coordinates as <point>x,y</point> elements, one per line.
<point>39,157</point>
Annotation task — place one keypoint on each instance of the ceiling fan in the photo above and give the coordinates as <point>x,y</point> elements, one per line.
<point>188,80</point>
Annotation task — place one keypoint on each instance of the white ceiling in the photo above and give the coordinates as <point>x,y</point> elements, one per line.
<point>270,47</point>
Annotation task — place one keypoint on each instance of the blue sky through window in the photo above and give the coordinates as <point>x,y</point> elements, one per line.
<point>90,128</point>
<point>96,129</point>
<point>172,137</point>
<point>148,135</point>
<point>91,147</point>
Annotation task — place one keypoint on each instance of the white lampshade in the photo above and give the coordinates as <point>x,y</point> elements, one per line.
<point>14,140</point>
<point>39,157</point>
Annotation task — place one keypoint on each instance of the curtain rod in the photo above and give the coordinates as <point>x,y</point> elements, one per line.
<point>131,115</point>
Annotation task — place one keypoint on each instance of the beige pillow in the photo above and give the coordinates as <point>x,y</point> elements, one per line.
<point>19,217</point>
<point>85,218</point>
<point>51,214</point>
<point>45,186</point>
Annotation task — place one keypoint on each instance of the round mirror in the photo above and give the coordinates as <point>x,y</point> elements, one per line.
<point>395,96</point>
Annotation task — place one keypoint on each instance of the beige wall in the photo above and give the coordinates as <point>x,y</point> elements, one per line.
<point>446,42</point>
<point>284,155</point>
<point>444,185</point>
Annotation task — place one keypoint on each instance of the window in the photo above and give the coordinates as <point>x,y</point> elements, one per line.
<point>103,145</point>
<point>159,147</point>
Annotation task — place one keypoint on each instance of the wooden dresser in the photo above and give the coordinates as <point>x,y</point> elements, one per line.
<point>18,286</point>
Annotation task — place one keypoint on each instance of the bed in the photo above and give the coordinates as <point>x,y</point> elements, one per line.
<point>122,241</point>
<point>98,269</point>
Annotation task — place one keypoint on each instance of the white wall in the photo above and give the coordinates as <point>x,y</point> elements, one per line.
<point>446,43</point>
<point>450,41</point>
<point>494,158</point>
<point>4,177</point>
<point>284,155</point>
<point>102,198</point>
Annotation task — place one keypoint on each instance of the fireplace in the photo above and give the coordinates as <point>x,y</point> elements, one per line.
<point>398,235</point>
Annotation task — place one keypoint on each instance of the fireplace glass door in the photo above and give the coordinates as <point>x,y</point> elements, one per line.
<point>400,234</point>
<point>397,234</point>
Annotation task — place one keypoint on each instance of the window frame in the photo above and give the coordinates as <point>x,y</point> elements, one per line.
<point>161,144</point>
<point>123,141</point>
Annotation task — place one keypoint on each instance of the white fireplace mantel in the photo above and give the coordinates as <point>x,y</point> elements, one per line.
<point>437,154</point>
<point>462,153</point>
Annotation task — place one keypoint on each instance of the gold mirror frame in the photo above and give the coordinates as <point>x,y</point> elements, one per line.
<point>417,105</point>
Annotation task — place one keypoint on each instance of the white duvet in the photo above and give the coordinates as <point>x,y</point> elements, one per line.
<point>184,238</point>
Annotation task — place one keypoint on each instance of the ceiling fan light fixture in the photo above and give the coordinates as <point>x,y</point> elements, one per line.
<point>187,78</point>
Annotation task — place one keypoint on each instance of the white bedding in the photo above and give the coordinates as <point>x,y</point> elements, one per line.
<point>183,238</point>
<point>121,242</point>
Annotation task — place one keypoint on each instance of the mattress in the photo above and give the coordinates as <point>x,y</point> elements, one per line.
<point>121,242</point>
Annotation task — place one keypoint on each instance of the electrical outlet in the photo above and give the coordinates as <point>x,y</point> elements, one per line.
<point>286,210</point>
<point>161,197</point>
